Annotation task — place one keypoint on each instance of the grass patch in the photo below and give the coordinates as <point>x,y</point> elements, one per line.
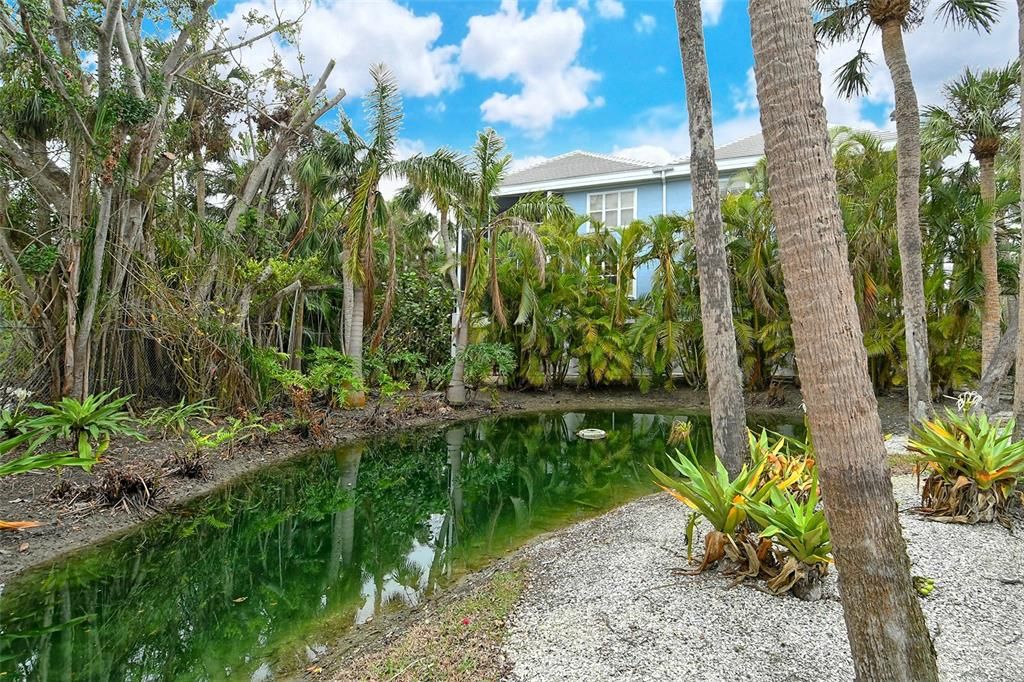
<point>459,642</point>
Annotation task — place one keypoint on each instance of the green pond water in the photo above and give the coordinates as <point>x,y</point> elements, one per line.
<point>245,582</point>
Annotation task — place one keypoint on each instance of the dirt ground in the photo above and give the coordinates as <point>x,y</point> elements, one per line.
<point>68,523</point>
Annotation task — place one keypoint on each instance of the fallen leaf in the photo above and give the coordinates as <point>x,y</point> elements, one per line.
<point>314,669</point>
<point>23,547</point>
<point>18,525</point>
<point>239,600</point>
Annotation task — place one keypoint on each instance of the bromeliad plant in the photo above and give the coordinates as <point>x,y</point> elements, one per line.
<point>795,522</point>
<point>94,420</point>
<point>789,463</point>
<point>722,501</point>
<point>972,464</point>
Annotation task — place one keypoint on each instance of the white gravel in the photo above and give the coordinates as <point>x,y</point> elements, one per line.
<point>603,605</point>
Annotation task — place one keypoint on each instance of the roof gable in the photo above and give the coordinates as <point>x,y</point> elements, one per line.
<point>573,165</point>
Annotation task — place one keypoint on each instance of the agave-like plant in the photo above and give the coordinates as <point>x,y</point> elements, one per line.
<point>973,465</point>
<point>789,463</point>
<point>721,500</point>
<point>798,525</point>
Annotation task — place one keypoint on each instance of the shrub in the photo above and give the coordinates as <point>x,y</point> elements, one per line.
<point>178,418</point>
<point>484,360</point>
<point>719,499</point>
<point>972,465</point>
<point>98,418</point>
<point>333,374</point>
<point>795,522</point>
<point>789,463</point>
<point>421,321</point>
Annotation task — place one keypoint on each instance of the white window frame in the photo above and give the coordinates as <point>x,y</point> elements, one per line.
<point>604,213</point>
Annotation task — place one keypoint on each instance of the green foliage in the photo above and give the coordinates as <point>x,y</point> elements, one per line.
<point>95,420</point>
<point>484,360</point>
<point>969,446</point>
<point>795,522</point>
<point>713,494</point>
<point>177,418</point>
<point>333,374</point>
<point>420,323</point>
<point>49,460</point>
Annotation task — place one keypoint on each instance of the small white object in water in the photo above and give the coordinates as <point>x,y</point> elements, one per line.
<point>591,434</point>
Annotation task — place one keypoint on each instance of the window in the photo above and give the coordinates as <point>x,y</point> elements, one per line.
<point>614,209</point>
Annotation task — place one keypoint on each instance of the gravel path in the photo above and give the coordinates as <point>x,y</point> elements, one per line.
<point>603,605</point>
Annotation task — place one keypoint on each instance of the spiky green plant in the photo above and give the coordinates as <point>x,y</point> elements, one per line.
<point>96,419</point>
<point>972,463</point>
<point>714,496</point>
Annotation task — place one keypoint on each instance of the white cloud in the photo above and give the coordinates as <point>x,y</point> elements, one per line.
<point>356,35</point>
<point>519,163</point>
<point>645,152</point>
<point>744,100</point>
<point>661,134</point>
<point>711,11</point>
<point>936,54</point>
<point>540,53</point>
<point>404,148</point>
<point>645,24</point>
<point>610,9</point>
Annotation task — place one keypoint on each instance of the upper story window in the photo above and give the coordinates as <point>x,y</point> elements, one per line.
<point>613,209</point>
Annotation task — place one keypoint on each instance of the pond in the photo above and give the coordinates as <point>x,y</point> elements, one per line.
<point>292,556</point>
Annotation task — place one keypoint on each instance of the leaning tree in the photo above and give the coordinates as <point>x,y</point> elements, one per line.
<point>885,626</point>
<point>725,381</point>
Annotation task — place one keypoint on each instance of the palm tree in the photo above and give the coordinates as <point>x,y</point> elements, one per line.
<point>845,20</point>
<point>978,111</point>
<point>368,213</point>
<point>887,632</point>
<point>725,380</point>
<point>1018,381</point>
<point>482,225</point>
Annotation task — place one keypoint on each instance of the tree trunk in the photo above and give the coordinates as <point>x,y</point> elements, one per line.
<point>885,626</point>
<point>295,330</point>
<point>355,345</point>
<point>908,221</point>
<point>348,293</point>
<point>991,309</point>
<point>457,385</point>
<point>725,380</point>
<point>1018,380</point>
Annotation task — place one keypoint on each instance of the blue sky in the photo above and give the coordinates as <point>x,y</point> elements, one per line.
<point>602,75</point>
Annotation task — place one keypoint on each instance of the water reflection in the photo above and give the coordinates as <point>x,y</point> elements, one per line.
<point>315,546</point>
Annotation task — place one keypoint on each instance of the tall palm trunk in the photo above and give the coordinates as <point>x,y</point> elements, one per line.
<point>908,220</point>
<point>348,294</point>
<point>1018,381</point>
<point>885,626</point>
<point>457,385</point>
<point>725,381</point>
<point>355,343</point>
<point>991,309</point>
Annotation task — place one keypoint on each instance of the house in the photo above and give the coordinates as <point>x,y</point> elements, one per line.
<point>617,190</point>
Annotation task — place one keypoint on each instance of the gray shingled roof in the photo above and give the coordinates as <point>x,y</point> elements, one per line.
<point>753,145</point>
<point>573,165</point>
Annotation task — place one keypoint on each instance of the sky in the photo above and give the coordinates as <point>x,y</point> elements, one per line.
<point>600,75</point>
